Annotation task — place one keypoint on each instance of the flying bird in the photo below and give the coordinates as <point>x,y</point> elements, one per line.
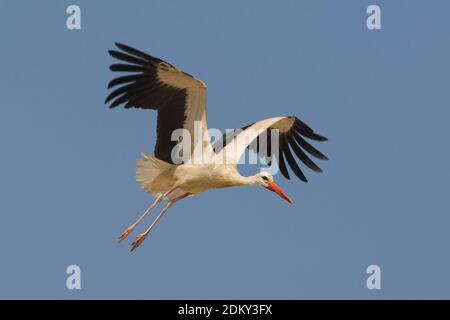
<point>180,101</point>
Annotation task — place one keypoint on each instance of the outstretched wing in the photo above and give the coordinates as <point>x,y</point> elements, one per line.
<point>257,136</point>
<point>151,83</point>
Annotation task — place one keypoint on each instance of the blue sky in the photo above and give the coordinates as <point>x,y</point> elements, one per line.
<point>68,162</point>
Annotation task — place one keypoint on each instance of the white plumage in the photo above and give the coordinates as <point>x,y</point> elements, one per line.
<point>180,100</point>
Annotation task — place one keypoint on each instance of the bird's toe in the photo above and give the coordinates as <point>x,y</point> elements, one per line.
<point>125,234</point>
<point>137,241</point>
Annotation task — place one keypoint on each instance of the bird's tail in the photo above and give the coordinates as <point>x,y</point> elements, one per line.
<point>153,174</point>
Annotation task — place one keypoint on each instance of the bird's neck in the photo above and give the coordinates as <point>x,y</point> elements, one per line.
<point>236,179</point>
<point>246,181</point>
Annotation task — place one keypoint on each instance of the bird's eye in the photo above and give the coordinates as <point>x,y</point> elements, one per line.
<point>265,178</point>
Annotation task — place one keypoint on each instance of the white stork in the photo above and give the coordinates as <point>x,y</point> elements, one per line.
<point>180,100</point>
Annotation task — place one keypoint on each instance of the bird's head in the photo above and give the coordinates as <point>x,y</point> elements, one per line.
<point>265,179</point>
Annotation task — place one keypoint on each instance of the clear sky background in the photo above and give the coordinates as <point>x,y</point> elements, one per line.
<point>67,186</point>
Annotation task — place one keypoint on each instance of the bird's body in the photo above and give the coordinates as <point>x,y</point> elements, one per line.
<point>180,100</point>
<point>198,178</point>
<point>188,178</point>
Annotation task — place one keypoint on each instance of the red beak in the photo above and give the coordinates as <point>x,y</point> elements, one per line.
<point>272,186</point>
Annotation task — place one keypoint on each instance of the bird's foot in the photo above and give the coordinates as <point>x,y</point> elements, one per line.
<point>137,242</point>
<point>125,234</point>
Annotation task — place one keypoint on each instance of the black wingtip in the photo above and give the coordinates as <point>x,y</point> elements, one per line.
<point>120,45</point>
<point>114,53</point>
<point>107,101</point>
<point>305,130</point>
<point>301,124</point>
<point>317,137</point>
<point>109,98</point>
<point>125,47</point>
